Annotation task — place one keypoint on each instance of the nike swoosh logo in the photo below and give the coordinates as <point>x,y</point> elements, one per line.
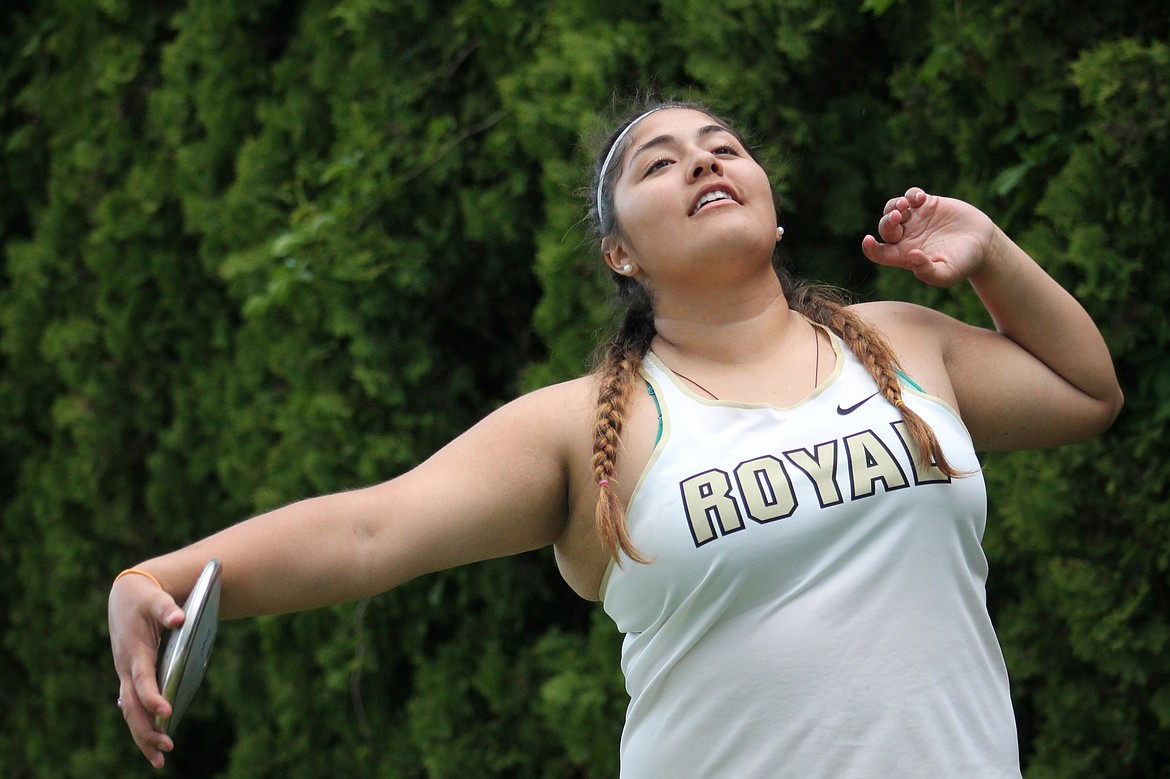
<point>843,411</point>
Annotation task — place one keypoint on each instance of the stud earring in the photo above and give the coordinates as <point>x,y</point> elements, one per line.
<point>779,234</point>
<point>627,268</point>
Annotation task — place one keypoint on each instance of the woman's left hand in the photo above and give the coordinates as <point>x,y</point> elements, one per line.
<point>941,240</point>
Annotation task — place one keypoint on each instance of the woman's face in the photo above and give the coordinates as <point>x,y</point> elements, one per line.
<point>688,196</point>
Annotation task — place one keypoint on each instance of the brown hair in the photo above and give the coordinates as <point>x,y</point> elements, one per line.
<point>620,360</point>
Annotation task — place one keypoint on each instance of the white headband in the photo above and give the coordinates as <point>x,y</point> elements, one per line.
<point>609,157</point>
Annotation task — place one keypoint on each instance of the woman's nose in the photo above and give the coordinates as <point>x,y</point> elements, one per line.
<point>705,162</point>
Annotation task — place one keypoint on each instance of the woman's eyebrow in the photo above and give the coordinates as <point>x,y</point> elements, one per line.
<point>663,140</point>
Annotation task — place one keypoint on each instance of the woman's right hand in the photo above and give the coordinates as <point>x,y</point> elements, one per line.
<point>139,611</point>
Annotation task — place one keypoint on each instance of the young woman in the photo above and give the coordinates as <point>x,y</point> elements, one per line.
<point>775,496</point>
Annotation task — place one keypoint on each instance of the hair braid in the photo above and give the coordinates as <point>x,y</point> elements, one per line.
<point>824,306</point>
<point>618,373</point>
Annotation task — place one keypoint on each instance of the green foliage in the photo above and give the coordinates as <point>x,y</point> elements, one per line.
<point>583,699</point>
<point>256,251</point>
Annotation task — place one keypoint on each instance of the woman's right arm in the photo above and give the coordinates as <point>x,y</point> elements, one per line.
<point>499,489</point>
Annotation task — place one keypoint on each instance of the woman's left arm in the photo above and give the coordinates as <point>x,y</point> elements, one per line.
<point>1045,376</point>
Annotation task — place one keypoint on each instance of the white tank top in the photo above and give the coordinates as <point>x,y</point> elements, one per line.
<point>816,605</point>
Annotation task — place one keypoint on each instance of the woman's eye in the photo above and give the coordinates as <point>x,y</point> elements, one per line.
<point>726,150</point>
<point>656,165</point>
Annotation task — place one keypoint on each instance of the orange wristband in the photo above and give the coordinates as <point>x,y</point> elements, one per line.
<point>140,572</point>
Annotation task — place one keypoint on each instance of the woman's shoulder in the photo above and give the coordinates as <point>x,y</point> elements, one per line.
<point>908,326</point>
<point>571,397</point>
<point>919,337</point>
<point>896,313</point>
<point>557,415</point>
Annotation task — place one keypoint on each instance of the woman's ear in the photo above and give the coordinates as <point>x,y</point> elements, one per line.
<point>619,258</point>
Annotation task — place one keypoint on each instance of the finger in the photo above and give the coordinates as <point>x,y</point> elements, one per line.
<point>153,744</point>
<point>892,255</point>
<point>916,196</point>
<point>144,686</point>
<point>890,226</point>
<point>169,614</point>
<point>899,203</point>
<point>880,253</point>
<point>934,274</point>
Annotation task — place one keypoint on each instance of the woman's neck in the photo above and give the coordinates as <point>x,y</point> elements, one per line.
<point>750,329</point>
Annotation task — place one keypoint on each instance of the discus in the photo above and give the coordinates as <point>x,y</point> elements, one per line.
<point>189,647</point>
